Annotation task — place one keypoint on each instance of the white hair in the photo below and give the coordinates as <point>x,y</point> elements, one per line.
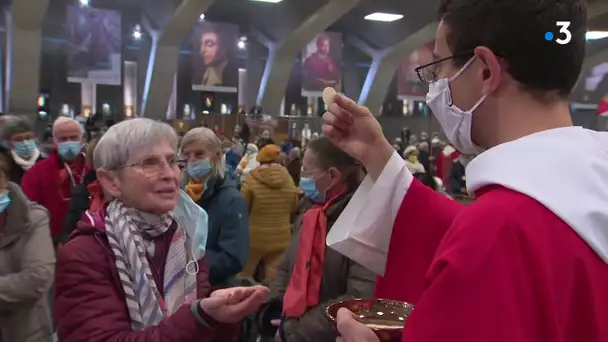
<point>211,142</point>
<point>62,120</point>
<point>128,138</point>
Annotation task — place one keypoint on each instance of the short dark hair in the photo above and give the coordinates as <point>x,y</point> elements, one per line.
<point>515,31</point>
<point>329,155</point>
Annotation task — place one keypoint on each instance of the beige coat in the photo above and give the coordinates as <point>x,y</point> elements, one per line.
<point>27,267</point>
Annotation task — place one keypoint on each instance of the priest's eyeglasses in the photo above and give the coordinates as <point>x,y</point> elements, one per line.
<point>427,73</point>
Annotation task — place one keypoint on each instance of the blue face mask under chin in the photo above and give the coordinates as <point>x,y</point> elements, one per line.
<point>199,169</point>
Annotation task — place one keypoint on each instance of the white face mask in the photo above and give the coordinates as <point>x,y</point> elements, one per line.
<point>456,123</point>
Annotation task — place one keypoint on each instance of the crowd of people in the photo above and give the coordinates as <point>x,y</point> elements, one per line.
<point>140,234</point>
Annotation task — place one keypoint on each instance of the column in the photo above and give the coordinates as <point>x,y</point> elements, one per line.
<point>87,98</point>
<point>172,107</point>
<point>24,50</point>
<point>351,81</point>
<point>130,88</point>
<point>255,69</point>
<point>385,64</point>
<point>242,89</point>
<point>164,56</point>
<point>281,55</point>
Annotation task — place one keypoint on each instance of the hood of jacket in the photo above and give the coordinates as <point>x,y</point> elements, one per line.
<point>564,169</point>
<point>273,176</point>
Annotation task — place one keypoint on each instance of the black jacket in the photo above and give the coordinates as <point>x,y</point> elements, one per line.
<point>79,203</point>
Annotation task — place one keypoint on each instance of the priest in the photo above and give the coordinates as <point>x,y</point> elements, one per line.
<point>527,261</point>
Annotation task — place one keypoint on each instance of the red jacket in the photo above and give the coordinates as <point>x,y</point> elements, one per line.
<point>48,184</point>
<point>89,299</point>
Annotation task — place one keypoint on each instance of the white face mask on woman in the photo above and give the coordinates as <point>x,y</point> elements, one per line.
<point>456,123</point>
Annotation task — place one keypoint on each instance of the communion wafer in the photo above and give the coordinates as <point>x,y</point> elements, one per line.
<point>328,95</point>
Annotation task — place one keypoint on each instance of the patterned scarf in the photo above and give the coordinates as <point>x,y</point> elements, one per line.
<point>127,232</point>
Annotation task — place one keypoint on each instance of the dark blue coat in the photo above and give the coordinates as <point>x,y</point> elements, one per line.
<point>228,237</point>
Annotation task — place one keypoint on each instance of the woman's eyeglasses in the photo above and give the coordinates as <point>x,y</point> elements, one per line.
<point>154,165</point>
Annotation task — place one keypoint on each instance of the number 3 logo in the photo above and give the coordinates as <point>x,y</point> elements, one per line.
<point>564,25</point>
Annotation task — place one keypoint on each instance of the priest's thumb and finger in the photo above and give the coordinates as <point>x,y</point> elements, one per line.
<point>355,130</point>
<point>352,330</point>
<point>231,305</point>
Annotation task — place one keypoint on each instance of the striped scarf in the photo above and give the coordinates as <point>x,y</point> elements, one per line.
<point>127,232</point>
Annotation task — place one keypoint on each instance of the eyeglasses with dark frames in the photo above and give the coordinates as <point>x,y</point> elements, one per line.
<point>428,73</point>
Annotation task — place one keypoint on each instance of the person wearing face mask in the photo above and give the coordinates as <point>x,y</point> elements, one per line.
<point>311,276</point>
<point>271,198</point>
<point>51,181</point>
<point>140,262</point>
<point>527,261</point>
<point>205,181</point>
<point>410,155</point>
<point>23,150</point>
<point>27,265</point>
<point>249,161</point>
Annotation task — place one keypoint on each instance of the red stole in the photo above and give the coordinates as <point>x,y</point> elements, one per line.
<point>305,283</point>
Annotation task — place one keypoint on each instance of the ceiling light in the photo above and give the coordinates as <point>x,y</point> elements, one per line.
<point>384,17</point>
<point>268,1</point>
<point>202,16</point>
<point>241,44</point>
<point>137,35</point>
<point>84,2</point>
<point>595,35</point>
<point>243,39</point>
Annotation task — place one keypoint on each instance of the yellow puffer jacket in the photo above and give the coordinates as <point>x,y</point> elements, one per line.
<point>272,198</point>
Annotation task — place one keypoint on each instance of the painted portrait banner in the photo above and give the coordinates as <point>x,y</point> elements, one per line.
<point>214,57</point>
<point>409,86</point>
<point>94,45</point>
<point>321,64</point>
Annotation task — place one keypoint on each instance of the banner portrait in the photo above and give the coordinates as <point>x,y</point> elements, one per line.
<point>94,45</point>
<point>409,86</point>
<point>321,64</point>
<point>214,57</point>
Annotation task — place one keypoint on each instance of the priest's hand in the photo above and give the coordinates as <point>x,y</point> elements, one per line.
<point>355,130</point>
<point>233,304</point>
<point>352,330</point>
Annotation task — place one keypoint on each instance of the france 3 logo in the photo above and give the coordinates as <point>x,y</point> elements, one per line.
<point>564,35</point>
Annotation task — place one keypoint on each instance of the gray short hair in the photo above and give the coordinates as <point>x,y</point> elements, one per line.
<point>14,125</point>
<point>211,141</point>
<point>129,137</point>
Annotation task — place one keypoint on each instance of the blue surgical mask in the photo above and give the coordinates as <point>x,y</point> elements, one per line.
<point>195,221</point>
<point>25,148</point>
<point>69,149</point>
<point>199,169</point>
<point>5,201</point>
<point>309,187</point>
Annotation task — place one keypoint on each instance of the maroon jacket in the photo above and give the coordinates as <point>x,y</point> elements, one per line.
<point>89,299</point>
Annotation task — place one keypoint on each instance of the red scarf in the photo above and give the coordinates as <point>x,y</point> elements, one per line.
<point>96,196</point>
<point>305,283</point>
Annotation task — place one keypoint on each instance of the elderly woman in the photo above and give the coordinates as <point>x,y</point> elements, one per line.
<point>133,271</point>
<point>329,180</point>
<point>206,183</point>
<point>27,265</point>
<point>21,142</point>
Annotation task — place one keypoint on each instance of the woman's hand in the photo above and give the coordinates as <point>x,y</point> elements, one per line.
<point>233,304</point>
<point>352,330</point>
